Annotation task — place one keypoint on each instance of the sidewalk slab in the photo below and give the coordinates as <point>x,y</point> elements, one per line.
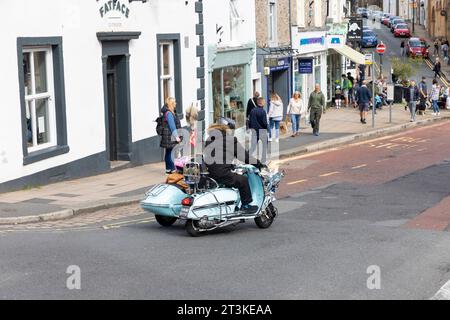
<point>127,186</point>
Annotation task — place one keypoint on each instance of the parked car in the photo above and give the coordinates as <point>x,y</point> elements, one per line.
<point>396,22</point>
<point>413,48</point>
<point>402,30</point>
<point>391,19</point>
<point>369,39</point>
<point>366,28</point>
<point>425,46</point>
<point>385,18</point>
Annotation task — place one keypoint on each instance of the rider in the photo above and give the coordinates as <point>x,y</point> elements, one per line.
<point>220,168</point>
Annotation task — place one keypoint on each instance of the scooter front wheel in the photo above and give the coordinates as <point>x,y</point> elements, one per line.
<point>265,220</point>
<point>193,228</point>
<point>165,221</point>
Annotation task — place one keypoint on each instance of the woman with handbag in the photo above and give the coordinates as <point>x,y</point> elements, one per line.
<point>296,110</point>
<point>170,137</point>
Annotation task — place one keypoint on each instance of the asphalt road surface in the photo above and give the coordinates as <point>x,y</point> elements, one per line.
<point>378,205</point>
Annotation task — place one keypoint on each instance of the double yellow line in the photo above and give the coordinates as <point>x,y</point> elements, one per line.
<point>430,65</point>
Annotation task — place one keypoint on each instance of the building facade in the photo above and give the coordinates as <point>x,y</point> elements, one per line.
<point>274,55</point>
<point>437,18</point>
<point>83,82</point>
<point>309,42</point>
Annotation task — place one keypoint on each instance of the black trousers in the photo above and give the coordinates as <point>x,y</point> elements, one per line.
<point>232,180</point>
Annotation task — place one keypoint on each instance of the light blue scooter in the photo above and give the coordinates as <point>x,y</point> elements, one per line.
<point>207,206</point>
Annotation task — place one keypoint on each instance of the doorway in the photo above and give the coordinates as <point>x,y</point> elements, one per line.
<point>117,108</point>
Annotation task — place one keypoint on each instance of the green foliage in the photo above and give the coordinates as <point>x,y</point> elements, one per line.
<point>403,70</point>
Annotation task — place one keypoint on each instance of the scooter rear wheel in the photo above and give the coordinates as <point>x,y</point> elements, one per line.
<point>265,220</point>
<point>193,228</point>
<point>165,221</point>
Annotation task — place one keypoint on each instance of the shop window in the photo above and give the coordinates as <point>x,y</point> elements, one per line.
<point>229,92</point>
<point>41,81</point>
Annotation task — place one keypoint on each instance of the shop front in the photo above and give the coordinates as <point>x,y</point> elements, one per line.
<point>231,83</point>
<point>310,65</point>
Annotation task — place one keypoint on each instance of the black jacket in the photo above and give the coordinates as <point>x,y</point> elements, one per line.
<point>258,119</point>
<point>415,94</point>
<point>251,104</point>
<point>226,151</point>
<point>167,141</point>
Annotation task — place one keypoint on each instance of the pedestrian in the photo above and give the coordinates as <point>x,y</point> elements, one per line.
<point>412,96</point>
<point>296,109</point>
<point>362,74</point>
<point>337,95</point>
<point>445,50</point>
<point>402,48</point>
<point>170,137</point>
<point>351,88</point>
<point>437,68</point>
<point>363,97</point>
<point>436,47</point>
<point>251,104</point>
<point>316,107</point>
<point>435,90</point>
<point>275,116</point>
<point>355,91</point>
<point>259,126</point>
<point>346,86</point>
<point>423,96</point>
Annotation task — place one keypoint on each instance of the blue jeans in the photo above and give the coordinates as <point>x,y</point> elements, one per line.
<point>170,165</point>
<point>295,118</point>
<point>435,106</point>
<point>276,124</point>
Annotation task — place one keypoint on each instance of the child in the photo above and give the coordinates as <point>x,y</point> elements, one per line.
<point>378,103</point>
<point>337,95</point>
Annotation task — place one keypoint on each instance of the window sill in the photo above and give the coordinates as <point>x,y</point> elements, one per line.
<point>45,154</point>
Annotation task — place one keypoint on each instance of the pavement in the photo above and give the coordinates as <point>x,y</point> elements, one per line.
<point>67,199</point>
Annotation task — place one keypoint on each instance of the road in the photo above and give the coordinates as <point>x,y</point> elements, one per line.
<point>422,68</point>
<point>379,204</point>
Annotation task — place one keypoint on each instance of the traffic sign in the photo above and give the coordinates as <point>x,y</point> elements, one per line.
<point>368,59</point>
<point>381,48</point>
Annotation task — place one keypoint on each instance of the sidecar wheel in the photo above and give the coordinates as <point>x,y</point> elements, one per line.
<point>266,219</point>
<point>192,228</point>
<point>165,221</point>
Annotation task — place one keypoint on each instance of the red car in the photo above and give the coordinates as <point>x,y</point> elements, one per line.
<point>425,46</point>
<point>402,30</point>
<point>414,48</point>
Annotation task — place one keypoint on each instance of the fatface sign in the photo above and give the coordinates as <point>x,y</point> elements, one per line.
<point>114,9</point>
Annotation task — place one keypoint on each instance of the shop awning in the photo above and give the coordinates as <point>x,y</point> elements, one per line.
<point>351,54</point>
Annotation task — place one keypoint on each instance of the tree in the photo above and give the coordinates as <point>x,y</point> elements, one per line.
<point>403,70</point>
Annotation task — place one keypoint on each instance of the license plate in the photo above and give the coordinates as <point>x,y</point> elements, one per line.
<point>402,34</point>
<point>184,212</point>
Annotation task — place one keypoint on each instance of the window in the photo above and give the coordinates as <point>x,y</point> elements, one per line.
<point>229,92</point>
<point>39,98</point>
<point>167,76</point>
<point>169,69</point>
<point>272,22</point>
<point>301,13</point>
<point>42,98</point>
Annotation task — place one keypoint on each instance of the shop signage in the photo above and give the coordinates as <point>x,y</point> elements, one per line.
<point>337,29</point>
<point>305,65</point>
<point>310,41</point>
<point>335,41</point>
<point>355,27</point>
<point>114,8</point>
<point>276,64</point>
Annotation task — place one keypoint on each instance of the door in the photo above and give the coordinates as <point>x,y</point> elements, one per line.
<point>112,114</point>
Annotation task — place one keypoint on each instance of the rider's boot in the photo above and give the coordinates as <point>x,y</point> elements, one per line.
<point>248,209</point>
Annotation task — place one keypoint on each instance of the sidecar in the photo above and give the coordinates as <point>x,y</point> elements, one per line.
<point>164,200</point>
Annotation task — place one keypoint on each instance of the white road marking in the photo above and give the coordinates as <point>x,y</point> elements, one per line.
<point>329,174</point>
<point>359,167</point>
<point>297,182</point>
<point>443,293</point>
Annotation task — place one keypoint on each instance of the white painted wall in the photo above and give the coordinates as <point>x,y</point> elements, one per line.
<point>78,22</point>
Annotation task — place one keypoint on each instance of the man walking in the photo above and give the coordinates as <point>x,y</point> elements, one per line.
<point>363,98</point>
<point>412,96</point>
<point>345,89</point>
<point>251,104</point>
<point>437,68</point>
<point>258,125</point>
<point>351,90</point>
<point>316,105</point>
<point>423,95</point>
